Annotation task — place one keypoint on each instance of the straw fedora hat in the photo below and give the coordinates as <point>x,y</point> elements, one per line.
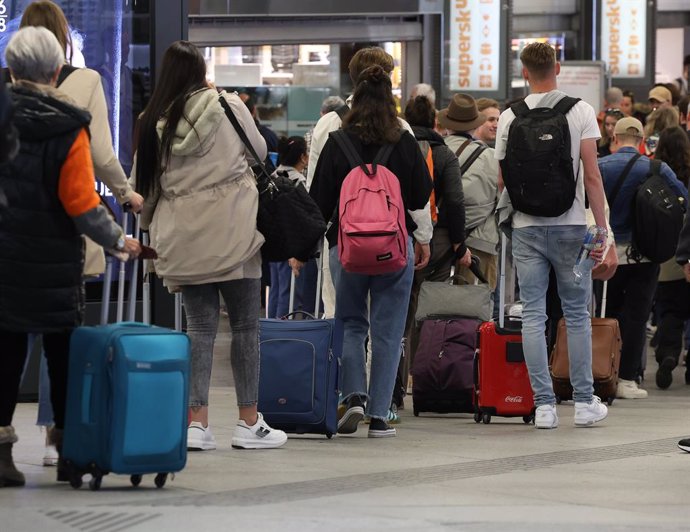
<point>462,114</point>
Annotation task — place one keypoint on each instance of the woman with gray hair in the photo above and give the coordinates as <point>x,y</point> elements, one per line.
<point>49,190</point>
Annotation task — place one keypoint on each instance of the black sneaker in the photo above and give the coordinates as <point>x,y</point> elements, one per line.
<point>348,422</point>
<point>378,428</point>
<point>664,375</point>
<point>684,445</point>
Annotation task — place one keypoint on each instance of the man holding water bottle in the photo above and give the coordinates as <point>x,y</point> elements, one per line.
<point>549,224</point>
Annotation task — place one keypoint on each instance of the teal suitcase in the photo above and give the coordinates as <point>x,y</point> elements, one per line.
<point>127,403</point>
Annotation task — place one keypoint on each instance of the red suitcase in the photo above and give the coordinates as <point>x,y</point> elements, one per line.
<point>502,386</point>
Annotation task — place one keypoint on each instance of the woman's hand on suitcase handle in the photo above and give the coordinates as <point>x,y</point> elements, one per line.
<point>466,259</point>
<point>132,247</point>
<point>422,254</point>
<point>135,203</point>
<point>296,266</point>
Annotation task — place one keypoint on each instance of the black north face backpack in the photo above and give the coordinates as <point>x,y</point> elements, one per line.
<point>538,166</point>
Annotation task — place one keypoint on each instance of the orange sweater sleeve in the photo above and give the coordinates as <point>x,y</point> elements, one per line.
<point>77,185</point>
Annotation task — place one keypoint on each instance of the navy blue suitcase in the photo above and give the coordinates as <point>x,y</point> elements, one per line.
<point>127,402</point>
<point>298,383</point>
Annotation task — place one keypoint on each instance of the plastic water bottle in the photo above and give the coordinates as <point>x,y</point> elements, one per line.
<point>594,239</point>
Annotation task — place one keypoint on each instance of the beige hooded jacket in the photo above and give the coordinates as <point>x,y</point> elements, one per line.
<point>203,222</point>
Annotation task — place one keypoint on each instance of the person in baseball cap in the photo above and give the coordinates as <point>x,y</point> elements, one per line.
<point>630,127</point>
<point>660,97</point>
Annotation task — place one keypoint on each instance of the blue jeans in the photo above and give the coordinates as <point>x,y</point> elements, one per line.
<point>279,292</point>
<point>536,250</point>
<point>389,296</point>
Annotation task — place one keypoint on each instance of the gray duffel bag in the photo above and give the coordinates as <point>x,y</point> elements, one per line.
<point>445,299</point>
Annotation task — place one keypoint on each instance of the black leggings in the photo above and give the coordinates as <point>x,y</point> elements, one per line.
<point>13,353</point>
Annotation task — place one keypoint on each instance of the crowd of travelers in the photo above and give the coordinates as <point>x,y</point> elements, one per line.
<point>456,176</point>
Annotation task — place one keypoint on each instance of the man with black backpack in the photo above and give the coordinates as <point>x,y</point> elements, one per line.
<point>540,143</point>
<point>647,204</point>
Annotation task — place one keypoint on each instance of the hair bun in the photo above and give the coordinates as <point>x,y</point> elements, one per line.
<point>373,74</point>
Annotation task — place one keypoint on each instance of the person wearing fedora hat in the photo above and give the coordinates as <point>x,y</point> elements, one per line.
<point>479,180</point>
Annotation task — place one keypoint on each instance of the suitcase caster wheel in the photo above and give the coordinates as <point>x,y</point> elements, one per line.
<point>486,418</point>
<point>95,483</point>
<point>609,401</point>
<point>135,480</point>
<point>558,400</point>
<point>76,481</point>
<point>527,419</point>
<point>415,412</point>
<point>477,417</point>
<point>160,479</point>
<point>329,435</point>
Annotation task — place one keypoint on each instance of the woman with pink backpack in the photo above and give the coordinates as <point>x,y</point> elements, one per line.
<point>369,175</point>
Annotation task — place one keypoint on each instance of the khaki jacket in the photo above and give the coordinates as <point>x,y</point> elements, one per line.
<point>203,222</point>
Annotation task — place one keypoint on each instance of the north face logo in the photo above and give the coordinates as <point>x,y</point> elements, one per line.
<point>546,136</point>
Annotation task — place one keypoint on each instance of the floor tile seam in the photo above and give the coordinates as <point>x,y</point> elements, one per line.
<point>317,488</point>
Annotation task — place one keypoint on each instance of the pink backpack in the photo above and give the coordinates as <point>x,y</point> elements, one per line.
<point>372,234</point>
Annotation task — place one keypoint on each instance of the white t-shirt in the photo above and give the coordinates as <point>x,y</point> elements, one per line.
<point>583,125</point>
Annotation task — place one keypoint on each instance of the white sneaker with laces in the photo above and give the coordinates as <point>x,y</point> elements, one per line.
<point>630,390</point>
<point>587,414</point>
<point>546,417</point>
<point>200,438</point>
<point>50,458</point>
<point>257,436</point>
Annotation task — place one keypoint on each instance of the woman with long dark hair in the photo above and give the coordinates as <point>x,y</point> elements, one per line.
<point>371,124</point>
<point>200,208</point>
<point>672,293</point>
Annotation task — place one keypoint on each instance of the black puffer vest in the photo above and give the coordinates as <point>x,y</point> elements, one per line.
<point>41,252</point>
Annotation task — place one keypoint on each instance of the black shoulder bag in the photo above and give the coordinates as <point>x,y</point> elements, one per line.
<point>288,217</point>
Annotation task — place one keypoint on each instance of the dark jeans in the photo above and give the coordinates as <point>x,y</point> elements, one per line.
<point>673,299</point>
<point>630,296</point>
<point>13,347</point>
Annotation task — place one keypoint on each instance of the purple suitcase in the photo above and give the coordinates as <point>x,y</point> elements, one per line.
<point>443,368</point>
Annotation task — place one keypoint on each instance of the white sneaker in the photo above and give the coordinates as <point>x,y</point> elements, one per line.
<point>258,436</point>
<point>587,414</point>
<point>50,458</point>
<point>546,417</point>
<point>630,390</point>
<point>200,438</point>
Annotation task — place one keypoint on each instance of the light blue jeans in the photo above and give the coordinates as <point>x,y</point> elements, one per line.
<point>536,250</point>
<point>389,296</point>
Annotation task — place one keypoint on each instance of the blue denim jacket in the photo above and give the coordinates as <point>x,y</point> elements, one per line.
<point>611,167</point>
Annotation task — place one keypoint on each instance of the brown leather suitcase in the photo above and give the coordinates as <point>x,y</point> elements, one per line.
<point>606,359</point>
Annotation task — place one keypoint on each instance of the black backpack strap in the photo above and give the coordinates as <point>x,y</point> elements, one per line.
<point>470,160</point>
<point>243,136</point>
<point>383,155</point>
<point>654,168</point>
<point>65,71</point>
<point>342,110</point>
<point>519,108</point>
<point>565,104</point>
<point>353,158</point>
<point>621,179</point>
<point>6,76</point>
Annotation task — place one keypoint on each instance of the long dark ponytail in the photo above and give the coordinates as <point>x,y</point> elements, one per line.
<point>374,116</point>
<point>183,72</point>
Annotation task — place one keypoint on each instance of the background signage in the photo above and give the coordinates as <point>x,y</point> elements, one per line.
<point>475,45</point>
<point>624,37</point>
